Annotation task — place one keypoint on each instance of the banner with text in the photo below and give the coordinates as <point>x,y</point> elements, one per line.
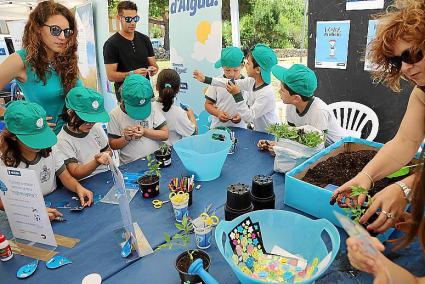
<point>195,43</point>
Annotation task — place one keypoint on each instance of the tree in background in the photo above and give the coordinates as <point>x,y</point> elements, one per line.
<point>159,15</point>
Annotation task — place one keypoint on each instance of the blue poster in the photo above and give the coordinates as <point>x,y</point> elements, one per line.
<point>195,39</point>
<point>371,31</point>
<point>332,44</point>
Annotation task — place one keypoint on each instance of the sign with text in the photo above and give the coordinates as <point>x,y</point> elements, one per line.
<point>24,205</point>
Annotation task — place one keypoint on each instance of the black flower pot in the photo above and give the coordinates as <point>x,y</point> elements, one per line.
<point>230,213</point>
<point>149,186</point>
<point>262,187</point>
<point>238,197</point>
<point>263,203</point>
<point>183,263</point>
<point>163,160</point>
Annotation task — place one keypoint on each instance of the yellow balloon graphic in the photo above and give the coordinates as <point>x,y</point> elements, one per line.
<point>203,31</point>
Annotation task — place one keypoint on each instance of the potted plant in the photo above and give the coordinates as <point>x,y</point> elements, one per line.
<point>149,183</point>
<point>185,259</point>
<point>163,155</point>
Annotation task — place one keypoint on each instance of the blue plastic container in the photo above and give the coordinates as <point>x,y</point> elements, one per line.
<point>202,155</point>
<point>291,231</point>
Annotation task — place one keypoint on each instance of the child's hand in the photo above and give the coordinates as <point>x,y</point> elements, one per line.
<point>263,145</point>
<point>53,213</point>
<point>236,118</point>
<point>141,71</point>
<point>52,125</point>
<point>232,88</point>
<point>138,131</point>
<point>152,70</point>
<point>223,116</point>
<point>102,158</point>
<point>128,133</point>
<point>199,76</point>
<point>84,193</point>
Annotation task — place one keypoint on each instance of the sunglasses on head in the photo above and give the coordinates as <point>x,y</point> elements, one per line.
<point>130,19</point>
<point>56,31</point>
<point>409,56</point>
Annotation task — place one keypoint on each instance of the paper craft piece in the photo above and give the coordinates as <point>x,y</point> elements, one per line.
<point>364,4</point>
<point>62,205</point>
<point>27,270</point>
<point>31,251</point>
<point>276,250</point>
<point>371,32</point>
<point>57,261</point>
<point>66,241</point>
<point>332,44</point>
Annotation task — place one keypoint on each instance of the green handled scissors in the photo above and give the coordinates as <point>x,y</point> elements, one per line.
<point>158,203</point>
<point>209,220</point>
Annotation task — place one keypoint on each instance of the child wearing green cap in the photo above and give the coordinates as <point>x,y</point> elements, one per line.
<point>219,103</point>
<point>298,84</point>
<point>26,143</point>
<point>82,140</point>
<point>260,105</point>
<point>180,122</point>
<point>135,127</point>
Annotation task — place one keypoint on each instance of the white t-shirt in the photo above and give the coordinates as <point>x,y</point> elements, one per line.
<point>224,101</point>
<point>135,149</point>
<point>260,105</point>
<point>178,122</point>
<point>318,115</point>
<point>82,147</point>
<point>46,169</point>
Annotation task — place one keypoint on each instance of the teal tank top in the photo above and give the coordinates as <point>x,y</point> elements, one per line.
<point>49,96</point>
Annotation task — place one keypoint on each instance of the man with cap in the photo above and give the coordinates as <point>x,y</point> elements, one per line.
<point>219,103</point>
<point>135,128</point>
<point>260,105</point>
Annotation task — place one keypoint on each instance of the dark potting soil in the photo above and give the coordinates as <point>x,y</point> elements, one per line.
<point>184,262</point>
<point>341,168</point>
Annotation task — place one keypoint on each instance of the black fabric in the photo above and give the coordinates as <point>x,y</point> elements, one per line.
<point>129,54</point>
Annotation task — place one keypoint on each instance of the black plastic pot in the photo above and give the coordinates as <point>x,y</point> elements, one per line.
<point>230,214</point>
<point>184,257</point>
<point>262,187</point>
<point>238,197</point>
<point>263,203</point>
<point>163,160</point>
<point>149,186</point>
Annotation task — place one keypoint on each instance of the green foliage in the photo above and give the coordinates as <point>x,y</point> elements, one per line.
<point>358,210</point>
<point>112,7</point>
<point>153,166</point>
<point>180,239</point>
<point>157,8</point>
<point>155,31</point>
<point>165,149</point>
<point>308,138</point>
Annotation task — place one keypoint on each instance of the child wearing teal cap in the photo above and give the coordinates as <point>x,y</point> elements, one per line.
<point>136,128</point>
<point>298,84</point>
<point>26,143</point>
<point>259,107</point>
<point>82,140</point>
<point>218,102</point>
<point>181,122</point>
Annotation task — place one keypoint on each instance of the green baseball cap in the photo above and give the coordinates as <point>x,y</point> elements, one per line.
<point>87,104</point>
<point>28,122</point>
<point>266,58</point>
<point>137,94</point>
<point>230,57</point>
<point>298,78</point>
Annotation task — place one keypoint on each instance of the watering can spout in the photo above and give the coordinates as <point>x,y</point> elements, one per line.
<point>197,267</point>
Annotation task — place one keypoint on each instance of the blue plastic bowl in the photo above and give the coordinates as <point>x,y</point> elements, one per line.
<point>203,156</point>
<point>291,231</point>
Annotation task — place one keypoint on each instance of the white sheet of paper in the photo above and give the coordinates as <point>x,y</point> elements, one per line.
<point>24,205</point>
<point>277,250</point>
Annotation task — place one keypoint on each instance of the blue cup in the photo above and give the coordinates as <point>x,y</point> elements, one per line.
<point>181,210</point>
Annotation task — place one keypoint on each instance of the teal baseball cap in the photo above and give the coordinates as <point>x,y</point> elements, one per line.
<point>299,78</point>
<point>28,122</point>
<point>87,104</point>
<point>230,57</point>
<point>137,94</point>
<point>266,58</point>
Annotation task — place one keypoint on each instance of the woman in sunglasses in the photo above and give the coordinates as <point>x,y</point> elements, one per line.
<point>398,50</point>
<point>46,68</point>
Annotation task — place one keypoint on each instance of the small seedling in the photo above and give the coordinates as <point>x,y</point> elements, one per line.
<point>358,210</point>
<point>308,138</point>
<point>164,149</point>
<point>153,167</point>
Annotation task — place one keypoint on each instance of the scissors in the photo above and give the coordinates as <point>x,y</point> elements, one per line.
<point>209,220</point>
<point>158,203</point>
<point>179,196</point>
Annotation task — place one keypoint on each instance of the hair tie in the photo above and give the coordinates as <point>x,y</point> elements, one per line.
<point>167,85</point>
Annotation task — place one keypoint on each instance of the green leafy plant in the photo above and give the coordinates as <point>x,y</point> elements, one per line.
<point>179,239</point>
<point>308,138</point>
<point>153,167</point>
<point>358,210</point>
<point>165,149</point>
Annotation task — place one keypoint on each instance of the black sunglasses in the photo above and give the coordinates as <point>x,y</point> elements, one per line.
<point>130,19</point>
<point>56,31</point>
<point>409,56</point>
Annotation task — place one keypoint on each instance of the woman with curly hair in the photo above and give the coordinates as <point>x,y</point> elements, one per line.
<point>398,50</point>
<point>46,68</point>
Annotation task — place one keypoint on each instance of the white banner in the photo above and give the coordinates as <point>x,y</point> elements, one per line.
<point>16,30</point>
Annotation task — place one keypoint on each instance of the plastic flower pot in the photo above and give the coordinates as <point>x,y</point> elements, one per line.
<point>203,233</point>
<point>180,209</point>
<point>149,186</point>
<point>263,203</point>
<point>183,263</point>
<point>238,201</point>
<point>262,186</point>
<point>163,159</point>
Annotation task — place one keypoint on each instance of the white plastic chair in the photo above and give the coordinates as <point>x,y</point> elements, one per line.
<point>354,116</point>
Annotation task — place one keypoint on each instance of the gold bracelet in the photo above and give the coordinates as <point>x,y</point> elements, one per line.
<point>370,178</point>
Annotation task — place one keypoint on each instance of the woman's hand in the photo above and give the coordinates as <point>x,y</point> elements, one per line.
<point>83,194</point>
<point>53,213</point>
<point>361,179</point>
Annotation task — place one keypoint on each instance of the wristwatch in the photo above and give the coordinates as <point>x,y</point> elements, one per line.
<point>405,188</point>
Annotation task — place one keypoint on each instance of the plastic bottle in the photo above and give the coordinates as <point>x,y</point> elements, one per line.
<point>5,250</point>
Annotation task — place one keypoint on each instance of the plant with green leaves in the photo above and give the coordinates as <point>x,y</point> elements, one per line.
<point>179,239</point>
<point>165,149</point>
<point>153,167</point>
<point>310,139</point>
<point>356,211</point>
